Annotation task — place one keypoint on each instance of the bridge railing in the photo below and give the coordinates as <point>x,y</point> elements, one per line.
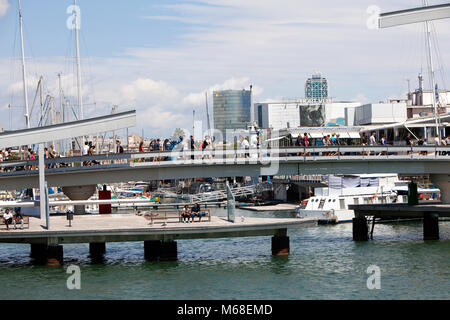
<point>232,156</point>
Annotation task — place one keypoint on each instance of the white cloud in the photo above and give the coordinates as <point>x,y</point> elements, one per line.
<point>4,6</point>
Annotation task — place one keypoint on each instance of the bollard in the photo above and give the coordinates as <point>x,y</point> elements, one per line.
<point>69,217</point>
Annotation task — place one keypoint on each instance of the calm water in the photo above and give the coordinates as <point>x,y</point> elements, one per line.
<point>324,264</point>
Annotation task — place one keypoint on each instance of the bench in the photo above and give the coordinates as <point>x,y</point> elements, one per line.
<point>206,217</point>
<point>26,223</point>
<point>165,216</point>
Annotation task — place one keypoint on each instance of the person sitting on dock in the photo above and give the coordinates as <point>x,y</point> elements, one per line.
<point>196,212</point>
<point>7,218</point>
<point>18,218</point>
<point>186,214</point>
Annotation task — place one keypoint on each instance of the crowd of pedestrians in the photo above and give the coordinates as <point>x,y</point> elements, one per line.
<point>189,149</point>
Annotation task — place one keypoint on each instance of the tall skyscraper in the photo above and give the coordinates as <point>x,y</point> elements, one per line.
<point>317,88</point>
<point>232,109</point>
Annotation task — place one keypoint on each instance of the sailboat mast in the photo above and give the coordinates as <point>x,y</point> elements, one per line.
<point>80,97</point>
<point>431,72</point>
<point>24,73</point>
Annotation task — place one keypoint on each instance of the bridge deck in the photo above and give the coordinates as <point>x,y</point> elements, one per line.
<point>129,227</point>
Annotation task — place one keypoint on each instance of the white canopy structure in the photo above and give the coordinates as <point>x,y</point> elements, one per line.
<point>415,15</point>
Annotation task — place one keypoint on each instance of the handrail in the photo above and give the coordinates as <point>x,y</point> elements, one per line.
<point>170,158</point>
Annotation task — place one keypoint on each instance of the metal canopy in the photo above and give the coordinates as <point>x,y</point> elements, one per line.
<point>68,130</point>
<point>415,15</point>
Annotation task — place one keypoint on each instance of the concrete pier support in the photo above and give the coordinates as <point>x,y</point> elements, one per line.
<point>38,251</point>
<point>161,250</point>
<point>79,193</point>
<point>169,251</point>
<point>431,226</point>
<point>280,246</point>
<point>55,255</point>
<point>51,255</point>
<point>97,250</point>
<point>360,229</point>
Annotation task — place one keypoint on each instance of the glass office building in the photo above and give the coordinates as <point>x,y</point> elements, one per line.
<point>316,88</point>
<point>232,109</point>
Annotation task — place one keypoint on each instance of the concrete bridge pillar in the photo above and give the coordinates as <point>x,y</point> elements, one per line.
<point>97,250</point>
<point>51,255</point>
<point>442,181</point>
<point>161,250</point>
<point>280,246</point>
<point>280,243</point>
<point>79,193</point>
<point>38,251</point>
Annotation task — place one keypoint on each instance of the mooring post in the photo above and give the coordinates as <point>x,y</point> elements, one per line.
<point>431,226</point>
<point>360,229</point>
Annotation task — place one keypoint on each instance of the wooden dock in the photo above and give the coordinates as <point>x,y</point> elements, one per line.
<point>100,229</point>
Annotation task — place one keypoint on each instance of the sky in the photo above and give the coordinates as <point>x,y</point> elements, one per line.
<point>160,57</point>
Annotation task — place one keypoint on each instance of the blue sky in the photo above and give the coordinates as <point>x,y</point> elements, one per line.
<point>159,57</point>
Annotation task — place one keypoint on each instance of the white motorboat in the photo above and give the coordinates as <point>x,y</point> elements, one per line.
<point>330,204</point>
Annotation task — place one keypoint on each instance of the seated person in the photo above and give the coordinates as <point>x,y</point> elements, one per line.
<point>7,218</point>
<point>18,218</point>
<point>197,213</point>
<point>186,214</point>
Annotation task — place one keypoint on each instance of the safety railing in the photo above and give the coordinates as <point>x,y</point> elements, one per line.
<point>231,157</point>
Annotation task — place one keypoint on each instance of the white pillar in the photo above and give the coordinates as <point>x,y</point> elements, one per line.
<point>42,187</point>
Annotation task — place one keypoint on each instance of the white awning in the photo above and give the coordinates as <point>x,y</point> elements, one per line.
<point>354,135</point>
<point>344,135</point>
<point>316,135</point>
<point>275,139</point>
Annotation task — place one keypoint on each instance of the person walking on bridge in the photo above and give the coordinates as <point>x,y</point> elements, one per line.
<point>192,149</point>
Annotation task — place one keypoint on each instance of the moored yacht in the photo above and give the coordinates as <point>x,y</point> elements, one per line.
<point>330,204</point>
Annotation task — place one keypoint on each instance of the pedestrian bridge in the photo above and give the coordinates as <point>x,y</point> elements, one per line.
<point>112,168</point>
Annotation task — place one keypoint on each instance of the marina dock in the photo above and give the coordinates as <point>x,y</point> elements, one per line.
<point>430,213</point>
<point>159,238</point>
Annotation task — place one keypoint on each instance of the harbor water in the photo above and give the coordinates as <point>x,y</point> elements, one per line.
<point>324,264</point>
